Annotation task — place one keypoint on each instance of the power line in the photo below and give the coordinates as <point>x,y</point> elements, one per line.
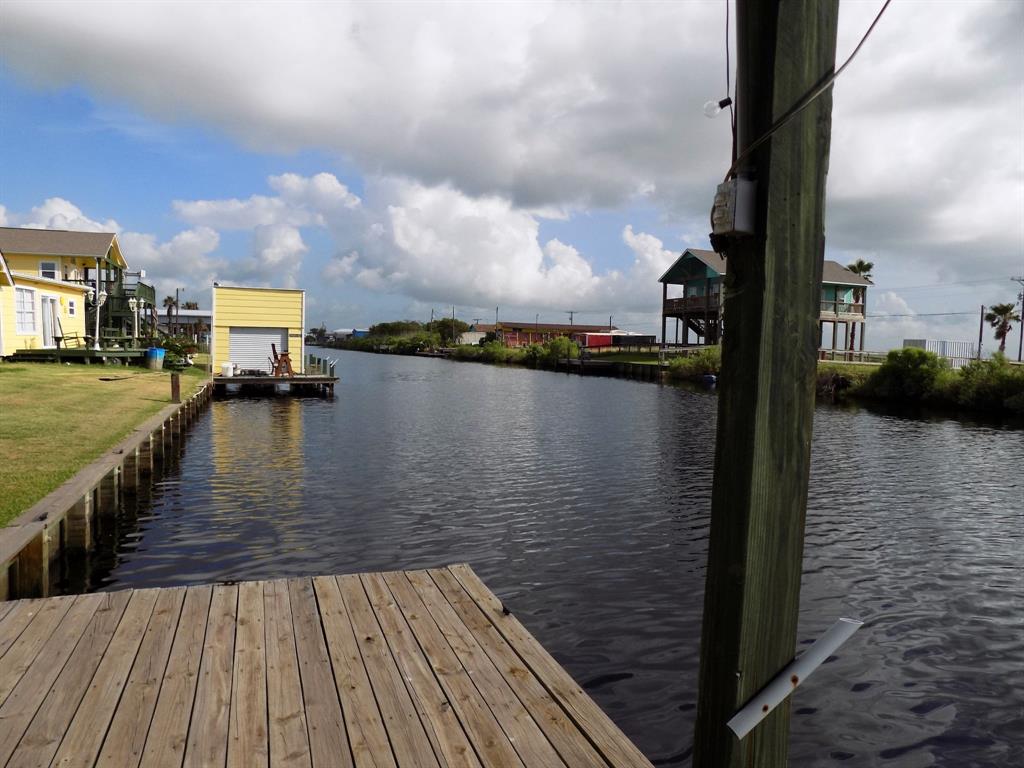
<point>982,281</point>
<point>807,99</point>
<point>921,314</point>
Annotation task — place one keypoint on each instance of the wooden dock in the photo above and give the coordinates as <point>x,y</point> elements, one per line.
<point>410,668</point>
<point>299,384</point>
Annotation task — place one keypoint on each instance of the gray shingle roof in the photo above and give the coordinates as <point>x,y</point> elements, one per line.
<point>832,271</point>
<point>55,242</point>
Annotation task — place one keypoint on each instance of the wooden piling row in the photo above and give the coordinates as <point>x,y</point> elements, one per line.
<point>66,520</point>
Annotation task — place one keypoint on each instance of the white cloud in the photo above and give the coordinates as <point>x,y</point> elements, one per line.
<point>472,123</point>
<point>340,267</point>
<point>58,213</point>
<point>187,260</point>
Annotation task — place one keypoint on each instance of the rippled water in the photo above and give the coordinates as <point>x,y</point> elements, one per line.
<point>583,503</point>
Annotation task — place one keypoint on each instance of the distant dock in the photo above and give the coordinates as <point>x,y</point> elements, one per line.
<point>409,668</point>
<point>296,385</point>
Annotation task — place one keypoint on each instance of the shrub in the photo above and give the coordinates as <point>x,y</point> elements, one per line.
<point>906,375</point>
<point>496,352</point>
<point>991,385</point>
<point>700,363</point>
<point>560,348</point>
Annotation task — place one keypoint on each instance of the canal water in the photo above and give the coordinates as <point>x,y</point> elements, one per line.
<point>584,503</point>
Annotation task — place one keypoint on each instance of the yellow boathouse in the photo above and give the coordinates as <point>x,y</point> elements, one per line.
<point>247,321</point>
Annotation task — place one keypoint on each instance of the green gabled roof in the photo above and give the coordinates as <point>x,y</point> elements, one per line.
<point>696,264</point>
<point>693,264</point>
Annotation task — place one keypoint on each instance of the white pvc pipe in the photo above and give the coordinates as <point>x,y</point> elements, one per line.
<point>798,670</point>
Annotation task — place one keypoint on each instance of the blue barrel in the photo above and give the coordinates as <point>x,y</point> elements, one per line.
<point>155,358</point>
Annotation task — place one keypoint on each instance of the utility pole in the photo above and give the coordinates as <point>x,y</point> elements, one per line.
<point>610,322</point>
<point>766,390</point>
<point>177,313</point>
<point>453,325</point>
<point>570,313</point>
<point>431,314</point>
<point>1020,324</point>
<point>981,329</point>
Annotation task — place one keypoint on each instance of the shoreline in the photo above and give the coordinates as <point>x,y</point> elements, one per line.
<point>837,382</point>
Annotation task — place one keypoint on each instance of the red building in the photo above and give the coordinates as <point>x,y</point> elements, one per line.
<point>515,334</point>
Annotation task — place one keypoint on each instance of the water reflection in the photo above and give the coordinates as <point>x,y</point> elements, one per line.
<point>583,502</point>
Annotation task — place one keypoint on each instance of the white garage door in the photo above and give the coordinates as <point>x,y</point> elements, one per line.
<point>250,347</point>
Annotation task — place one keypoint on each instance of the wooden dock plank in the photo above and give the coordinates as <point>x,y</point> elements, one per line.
<point>84,738</point>
<point>488,739</point>
<point>248,741</point>
<point>589,717</point>
<point>22,652</point>
<point>524,733</point>
<point>327,742</point>
<point>18,616</point>
<point>398,670</point>
<point>126,737</point>
<point>51,720</point>
<point>366,733</point>
<point>449,739</point>
<point>571,744</point>
<point>408,739</point>
<point>168,732</point>
<point>26,698</point>
<point>211,712</point>
<point>289,739</point>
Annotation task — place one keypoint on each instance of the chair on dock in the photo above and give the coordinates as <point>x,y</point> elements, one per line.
<point>282,363</point>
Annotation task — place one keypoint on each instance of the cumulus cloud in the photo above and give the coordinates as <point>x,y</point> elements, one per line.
<point>188,260</point>
<point>58,213</point>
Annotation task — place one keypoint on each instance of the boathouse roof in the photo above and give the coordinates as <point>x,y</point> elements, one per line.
<point>696,264</point>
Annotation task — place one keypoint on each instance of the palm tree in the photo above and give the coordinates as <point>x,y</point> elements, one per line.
<point>862,268</point>
<point>169,305</point>
<point>1001,317</point>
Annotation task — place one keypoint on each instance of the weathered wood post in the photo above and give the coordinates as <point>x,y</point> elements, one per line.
<point>110,487</point>
<point>175,387</point>
<point>145,459</point>
<point>766,400</point>
<point>130,471</point>
<point>79,530</point>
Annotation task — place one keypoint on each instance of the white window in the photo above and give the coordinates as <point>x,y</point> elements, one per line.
<point>72,309</point>
<point>25,310</point>
<point>48,269</point>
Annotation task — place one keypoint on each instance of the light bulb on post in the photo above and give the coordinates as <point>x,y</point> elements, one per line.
<point>712,108</point>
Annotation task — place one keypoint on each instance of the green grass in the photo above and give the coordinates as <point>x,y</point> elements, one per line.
<point>55,419</point>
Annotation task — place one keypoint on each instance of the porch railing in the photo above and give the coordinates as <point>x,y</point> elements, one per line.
<point>842,308</point>
<point>692,304</point>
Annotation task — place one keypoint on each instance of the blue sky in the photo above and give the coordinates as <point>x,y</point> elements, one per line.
<point>541,157</point>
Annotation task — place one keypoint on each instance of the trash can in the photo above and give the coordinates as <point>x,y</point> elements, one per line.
<point>227,369</point>
<point>155,358</point>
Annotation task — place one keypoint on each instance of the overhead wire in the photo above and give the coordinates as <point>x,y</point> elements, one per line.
<point>807,99</point>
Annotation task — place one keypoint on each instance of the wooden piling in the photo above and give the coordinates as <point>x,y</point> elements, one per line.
<point>110,487</point>
<point>766,401</point>
<point>79,527</point>
<point>130,471</point>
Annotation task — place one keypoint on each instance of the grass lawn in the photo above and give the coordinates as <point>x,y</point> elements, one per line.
<point>55,419</point>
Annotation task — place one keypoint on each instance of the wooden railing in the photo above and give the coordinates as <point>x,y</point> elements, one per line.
<point>842,308</point>
<point>692,304</point>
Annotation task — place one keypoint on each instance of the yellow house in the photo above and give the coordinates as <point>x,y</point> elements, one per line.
<point>57,274</point>
<point>37,311</point>
<point>247,321</point>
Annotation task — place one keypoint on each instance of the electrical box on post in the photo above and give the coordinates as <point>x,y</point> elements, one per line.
<point>733,211</point>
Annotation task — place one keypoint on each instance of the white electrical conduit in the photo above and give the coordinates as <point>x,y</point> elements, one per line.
<point>798,670</point>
